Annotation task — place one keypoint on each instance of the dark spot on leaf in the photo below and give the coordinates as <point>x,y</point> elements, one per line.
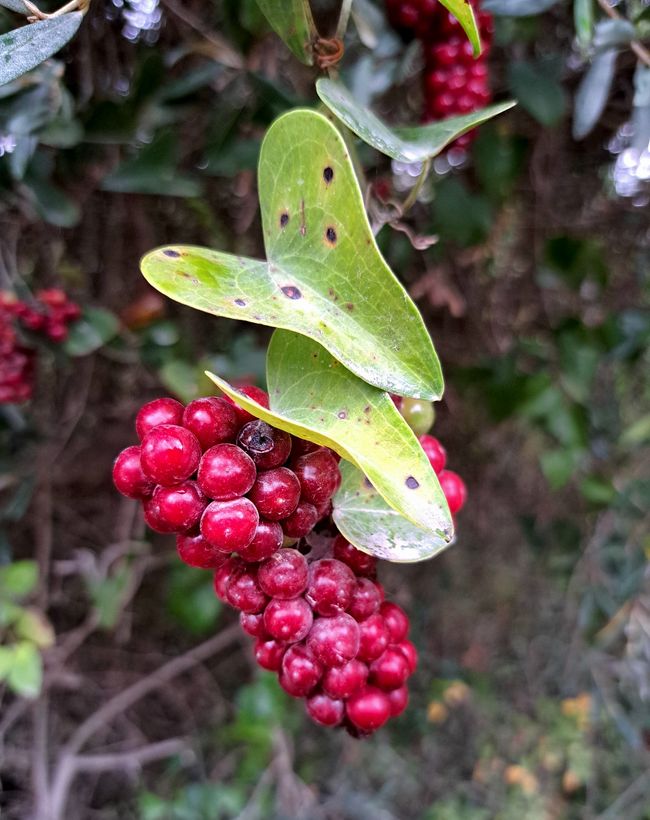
<point>291,292</point>
<point>342,414</point>
<point>330,235</point>
<point>240,302</point>
<point>366,409</point>
<point>328,174</point>
<point>349,306</point>
<point>284,219</point>
<point>170,252</point>
<point>368,483</point>
<point>412,483</point>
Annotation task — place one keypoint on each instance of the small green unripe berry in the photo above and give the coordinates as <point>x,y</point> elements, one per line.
<point>419,415</point>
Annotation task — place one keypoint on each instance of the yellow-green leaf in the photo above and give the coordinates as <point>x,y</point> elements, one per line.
<point>292,21</point>
<point>464,13</point>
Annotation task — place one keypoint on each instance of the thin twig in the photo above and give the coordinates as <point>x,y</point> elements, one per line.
<point>131,759</point>
<point>411,199</point>
<point>344,17</point>
<point>641,51</point>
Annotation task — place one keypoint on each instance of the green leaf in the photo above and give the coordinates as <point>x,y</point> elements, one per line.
<point>52,204</point>
<point>324,278</point>
<point>32,625</point>
<point>366,520</point>
<point>517,8</point>
<point>93,330</point>
<point>538,91</point>
<point>407,144</point>
<point>315,397</point>
<point>108,595</point>
<point>23,49</point>
<point>292,21</point>
<point>6,661</point>
<point>191,599</point>
<point>583,20</point>
<point>26,673</point>
<point>464,13</point>
<point>611,33</point>
<point>18,579</point>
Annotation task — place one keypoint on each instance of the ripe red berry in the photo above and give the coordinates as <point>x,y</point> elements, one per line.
<point>284,574</point>
<point>266,445</point>
<point>342,681</point>
<point>226,472</point>
<point>330,587</point>
<point>335,641</point>
<point>410,653</point>
<point>223,576</point>
<point>268,653</point>
<point>300,671</point>
<point>195,551</point>
<point>319,475</point>
<point>244,592</point>
<point>301,446</point>
<point>253,624</point>
<point>435,452</point>
<point>373,638</point>
<point>399,700</point>
<point>390,670</point>
<point>230,525</point>
<point>454,489</point>
<point>368,709</point>
<point>301,521</point>
<point>365,600</point>
<point>252,392</point>
<point>266,541</point>
<point>128,476</point>
<point>178,508</point>
<point>288,621</point>
<point>169,454</point>
<point>157,412</point>
<point>325,710</point>
<point>276,493</point>
<point>212,420</point>
<point>396,620</point>
<point>359,562</point>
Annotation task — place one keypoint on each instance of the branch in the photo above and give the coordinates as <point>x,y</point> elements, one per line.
<point>131,759</point>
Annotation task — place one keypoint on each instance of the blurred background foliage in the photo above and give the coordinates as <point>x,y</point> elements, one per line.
<point>532,700</point>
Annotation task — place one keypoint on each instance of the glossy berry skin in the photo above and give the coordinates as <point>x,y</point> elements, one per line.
<point>331,586</point>
<point>368,709</point>
<point>178,508</point>
<point>410,653</point>
<point>252,392</point>
<point>253,624</point>
<point>300,446</point>
<point>365,600</point>
<point>244,592</point>
<point>399,700</point>
<point>319,475</point>
<point>268,653</point>
<point>299,671</point>
<point>226,472</point>
<point>266,541</point>
<point>325,710</point>
<point>230,525</point>
<point>359,562</point>
<point>301,521</point>
<point>418,414</point>
<point>435,452</point>
<point>128,476</point>
<point>390,670</point>
<point>396,620</point>
<point>212,420</point>
<point>223,576</point>
<point>195,551</point>
<point>284,574</point>
<point>454,489</point>
<point>266,445</point>
<point>276,493</point>
<point>288,621</point>
<point>343,681</point>
<point>335,641</point>
<point>157,412</point>
<point>373,638</point>
<point>169,454</point>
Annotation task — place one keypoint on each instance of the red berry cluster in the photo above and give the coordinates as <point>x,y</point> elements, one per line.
<point>452,484</point>
<point>454,81</point>
<point>49,315</point>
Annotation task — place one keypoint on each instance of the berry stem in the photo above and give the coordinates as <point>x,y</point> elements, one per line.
<point>411,199</point>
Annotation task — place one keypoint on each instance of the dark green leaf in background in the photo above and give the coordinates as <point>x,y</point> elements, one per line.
<point>536,87</point>
<point>292,20</point>
<point>593,91</point>
<point>517,8</point>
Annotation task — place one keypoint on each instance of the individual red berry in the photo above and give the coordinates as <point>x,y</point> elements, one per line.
<point>212,420</point>
<point>454,489</point>
<point>266,541</point>
<point>410,653</point>
<point>343,681</point>
<point>319,475</point>
<point>253,624</point>
<point>300,671</point>
<point>284,574</point>
<point>435,452</point>
<point>223,576</point>
<point>368,709</point>
<point>266,445</point>
<point>128,476</point>
<point>252,392</point>
<point>57,332</point>
<point>276,493</point>
<point>230,525</point>
<point>244,592</point>
<point>288,621</point>
<point>399,700</point>
<point>373,638</point>
<point>268,653</point>
<point>359,562</point>
<point>390,670</point>
<point>396,620</point>
<point>325,710</point>
<point>301,521</point>
<point>151,517</point>
<point>195,551</point>
<point>169,454</point>
<point>365,600</point>
<point>301,446</point>
<point>226,472</point>
<point>330,587</point>
<point>157,412</point>
<point>335,641</point>
<point>178,508</point>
